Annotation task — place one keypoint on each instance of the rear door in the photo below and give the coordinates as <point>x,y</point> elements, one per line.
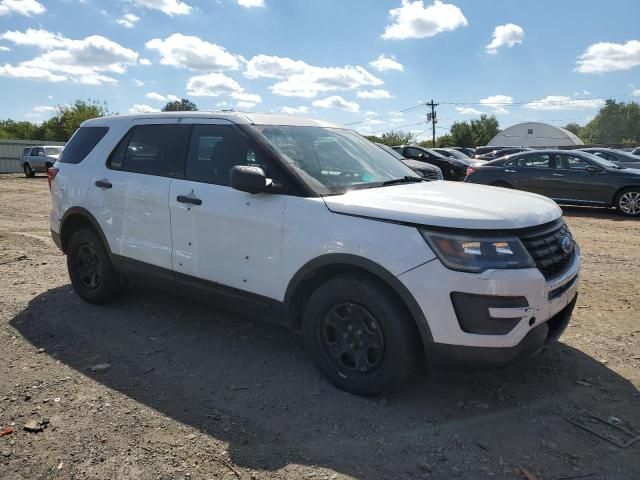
<point>532,173</point>
<point>129,193</point>
<point>220,234</point>
<point>37,158</point>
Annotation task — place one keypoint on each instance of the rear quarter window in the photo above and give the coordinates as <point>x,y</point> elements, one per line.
<point>83,141</point>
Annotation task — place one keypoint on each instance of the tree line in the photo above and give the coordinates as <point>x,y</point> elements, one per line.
<point>615,123</point>
<point>67,119</point>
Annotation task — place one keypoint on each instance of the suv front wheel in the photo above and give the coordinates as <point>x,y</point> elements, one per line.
<point>360,337</point>
<point>90,268</point>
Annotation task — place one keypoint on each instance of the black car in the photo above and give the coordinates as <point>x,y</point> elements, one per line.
<point>569,177</point>
<point>425,170</point>
<point>468,151</point>
<point>500,152</point>
<point>452,168</point>
<point>636,151</point>
<point>624,159</point>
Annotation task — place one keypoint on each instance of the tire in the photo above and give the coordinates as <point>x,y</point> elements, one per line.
<point>360,336</point>
<point>628,202</point>
<point>28,171</point>
<point>501,184</point>
<point>92,274</point>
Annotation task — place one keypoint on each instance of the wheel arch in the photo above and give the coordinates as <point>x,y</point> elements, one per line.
<point>76,218</point>
<point>319,270</point>
<point>621,190</point>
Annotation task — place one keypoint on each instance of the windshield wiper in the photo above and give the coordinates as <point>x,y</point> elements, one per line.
<point>405,179</point>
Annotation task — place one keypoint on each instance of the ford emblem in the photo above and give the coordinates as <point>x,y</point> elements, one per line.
<point>567,244</point>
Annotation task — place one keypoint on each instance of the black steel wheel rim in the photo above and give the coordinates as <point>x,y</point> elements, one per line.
<point>352,338</point>
<point>88,266</point>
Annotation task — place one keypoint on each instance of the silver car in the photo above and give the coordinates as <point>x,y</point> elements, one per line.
<point>39,159</point>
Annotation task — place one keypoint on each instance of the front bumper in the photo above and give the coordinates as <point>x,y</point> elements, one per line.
<point>538,301</point>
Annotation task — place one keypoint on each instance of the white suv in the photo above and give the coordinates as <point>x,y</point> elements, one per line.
<point>314,227</point>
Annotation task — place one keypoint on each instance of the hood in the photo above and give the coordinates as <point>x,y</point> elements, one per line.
<point>448,204</point>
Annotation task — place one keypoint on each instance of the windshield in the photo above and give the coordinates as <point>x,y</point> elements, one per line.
<point>390,150</point>
<point>457,154</point>
<point>334,160</point>
<point>52,150</point>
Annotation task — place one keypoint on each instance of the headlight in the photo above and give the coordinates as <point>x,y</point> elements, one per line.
<point>477,254</point>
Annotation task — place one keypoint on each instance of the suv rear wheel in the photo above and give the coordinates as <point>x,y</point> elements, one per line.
<point>628,202</point>
<point>360,337</point>
<point>90,269</point>
<point>28,171</point>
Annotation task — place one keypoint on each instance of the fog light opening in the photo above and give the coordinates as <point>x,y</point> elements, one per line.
<point>532,320</point>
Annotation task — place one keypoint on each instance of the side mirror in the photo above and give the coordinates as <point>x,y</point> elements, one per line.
<point>249,179</point>
<point>592,169</point>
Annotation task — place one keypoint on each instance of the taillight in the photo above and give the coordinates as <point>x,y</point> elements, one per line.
<point>51,174</point>
<point>470,170</point>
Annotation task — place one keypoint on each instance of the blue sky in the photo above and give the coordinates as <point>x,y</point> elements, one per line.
<point>341,60</point>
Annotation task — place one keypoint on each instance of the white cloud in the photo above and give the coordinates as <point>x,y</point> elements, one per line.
<point>509,35</point>
<point>43,109</point>
<point>251,3</point>
<point>161,98</point>
<point>193,53</point>
<point>128,20</point>
<point>301,110</point>
<point>559,102</point>
<point>245,106</point>
<point>137,82</point>
<point>413,20</point>
<point>170,7</point>
<point>608,57</point>
<point>299,79</point>
<point>82,61</point>
<point>4,49</point>
<point>218,84</point>
<point>636,93</point>
<point>145,61</point>
<point>384,63</point>
<point>377,93</point>
<point>141,108</point>
<point>468,111</point>
<point>336,101</point>
<point>498,102</point>
<point>42,39</point>
<point>21,7</point>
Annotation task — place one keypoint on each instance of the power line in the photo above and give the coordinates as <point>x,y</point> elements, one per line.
<point>391,114</point>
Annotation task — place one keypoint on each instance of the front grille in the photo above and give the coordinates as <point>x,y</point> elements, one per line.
<point>544,244</point>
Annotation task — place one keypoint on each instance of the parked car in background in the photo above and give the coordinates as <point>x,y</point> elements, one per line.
<point>468,151</point>
<point>425,170</point>
<point>316,228</point>
<point>570,177</point>
<point>39,159</point>
<point>486,149</point>
<point>451,153</point>
<point>624,159</point>
<point>501,152</point>
<point>636,151</point>
<point>452,168</point>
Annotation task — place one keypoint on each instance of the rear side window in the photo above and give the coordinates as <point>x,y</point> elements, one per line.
<point>152,150</point>
<point>534,161</point>
<point>83,141</point>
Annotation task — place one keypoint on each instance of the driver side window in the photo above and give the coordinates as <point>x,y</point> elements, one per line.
<point>413,152</point>
<point>215,149</point>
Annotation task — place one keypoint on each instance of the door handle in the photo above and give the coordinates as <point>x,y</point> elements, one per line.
<point>189,199</point>
<point>510,171</point>
<point>558,174</point>
<point>104,183</point>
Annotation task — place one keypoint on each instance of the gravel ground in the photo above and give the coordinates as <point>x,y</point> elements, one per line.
<point>157,387</point>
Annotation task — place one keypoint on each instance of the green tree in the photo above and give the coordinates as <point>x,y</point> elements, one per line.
<point>393,138</point>
<point>616,122</point>
<point>184,105</point>
<point>68,118</point>
<point>474,133</point>
<point>574,128</point>
<point>461,135</point>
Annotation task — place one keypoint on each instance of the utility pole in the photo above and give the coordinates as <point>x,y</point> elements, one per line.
<point>432,116</point>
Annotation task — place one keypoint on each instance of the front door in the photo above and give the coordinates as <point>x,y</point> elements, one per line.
<point>532,173</point>
<point>578,179</point>
<point>220,234</point>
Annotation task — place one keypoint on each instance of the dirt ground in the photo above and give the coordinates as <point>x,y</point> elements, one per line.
<point>192,392</point>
